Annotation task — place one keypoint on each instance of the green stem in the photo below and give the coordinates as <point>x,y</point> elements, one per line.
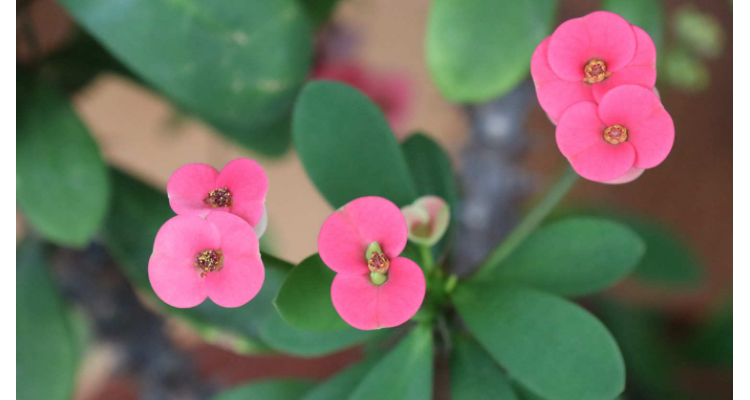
<point>530,223</point>
<point>428,264</point>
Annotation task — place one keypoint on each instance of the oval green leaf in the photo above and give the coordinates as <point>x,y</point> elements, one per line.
<point>551,346</point>
<point>405,373</point>
<point>237,65</point>
<point>347,147</point>
<point>573,257</point>
<point>61,179</point>
<point>481,49</point>
<point>475,375</point>
<point>645,14</point>
<point>137,213</point>
<point>281,336</point>
<point>304,299</point>
<point>46,348</point>
<point>276,390</point>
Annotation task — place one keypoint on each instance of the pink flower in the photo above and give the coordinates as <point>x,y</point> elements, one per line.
<point>217,256</point>
<point>389,92</point>
<point>589,56</point>
<point>240,188</point>
<point>374,288</point>
<point>612,142</point>
<point>427,219</point>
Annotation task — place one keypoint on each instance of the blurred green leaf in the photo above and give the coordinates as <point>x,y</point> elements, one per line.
<point>648,356</point>
<point>702,33</point>
<point>475,375</point>
<point>712,344</point>
<point>553,347</point>
<point>685,71</point>
<point>47,354</point>
<point>281,336</point>
<point>276,390</point>
<point>432,173</point>
<point>480,49</point>
<point>669,261</point>
<point>237,65</point>
<point>319,11</point>
<point>76,65</point>
<point>61,179</point>
<point>341,385</point>
<point>137,213</point>
<point>573,257</point>
<point>645,14</point>
<point>347,147</point>
<point>405,373</point>
<point>304,299</point>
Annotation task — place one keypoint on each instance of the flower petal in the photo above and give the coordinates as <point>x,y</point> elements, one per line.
<point>641,70</point>
<point>345,235</point>
<point>604,162</point>
<point>189,186</point>
<point>260,229</point>
<point>236,237</point>
<point>554,93</point>
<point>248,184</point>
<point>628,105</point>
<point>183,237</point>
<point>237,282</point>
<point>600,35</point>
<point>579,128</point>
<point>366,306</point>
<point>652,139</point>
<point>630,176</point>
<point>176,281</point>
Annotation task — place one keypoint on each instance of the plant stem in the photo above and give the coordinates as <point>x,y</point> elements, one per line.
<point>530,223</point>
<point>428,264</point>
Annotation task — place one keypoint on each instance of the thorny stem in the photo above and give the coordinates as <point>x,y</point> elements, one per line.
<point>530,223</point>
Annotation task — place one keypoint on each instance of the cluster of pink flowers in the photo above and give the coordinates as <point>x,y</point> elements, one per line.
<point>210,249</point>
<point>595,78</point>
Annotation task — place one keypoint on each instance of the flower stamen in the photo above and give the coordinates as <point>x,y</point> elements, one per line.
<point>219,198</point>
<point>595,71</point>
<point>209,261</point>
<point>378,264</point>
<point>616,134</point>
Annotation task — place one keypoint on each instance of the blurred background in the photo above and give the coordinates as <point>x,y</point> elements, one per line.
<point>673,320</point>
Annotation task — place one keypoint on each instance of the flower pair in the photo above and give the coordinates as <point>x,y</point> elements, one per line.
<point>211,249</point>
<point>595,78</point>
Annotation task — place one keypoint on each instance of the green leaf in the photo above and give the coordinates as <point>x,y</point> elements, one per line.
<point>651,368</point>
<point>281,336</point>
<point>669,261</point>
<point>551,346</point>
<point>432,173</point>
<point>319,11</point>
<point>405,373</point>
<point>475,375</point>
<point>712,344</point>
<point>645,14</point>
<point>276,390</point>
<point>76,65</point>
<point>137,213</point>
<point>341,385</point>
<point>61,179</point>
<point>573,257</point>
<point>46,349</point>
<point>480,49</point>
<point>347,147</point>
<point>304,299</point>
<point>237,65</point>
